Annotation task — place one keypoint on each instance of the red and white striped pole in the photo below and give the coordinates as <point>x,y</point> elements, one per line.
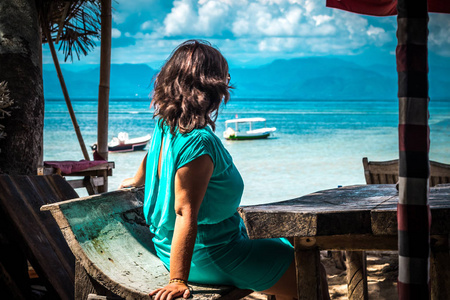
<point>413,211</point>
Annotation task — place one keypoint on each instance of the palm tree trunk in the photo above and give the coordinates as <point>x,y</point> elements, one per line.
<point>21,149</point>
<point>20,62</point>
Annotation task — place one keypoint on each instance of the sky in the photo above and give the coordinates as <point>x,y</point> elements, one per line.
<point>251,33</point>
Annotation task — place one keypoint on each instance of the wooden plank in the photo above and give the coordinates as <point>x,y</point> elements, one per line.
<point>76,184</point>
<point>384,221</point>
<point>440,267</point>
<point>347,210</point>
<point>82,183</point>
<point>21,198</point>
<point>331,212</point>
<point>350,242</point>
<point>307,264</point>
<point>92,171</point>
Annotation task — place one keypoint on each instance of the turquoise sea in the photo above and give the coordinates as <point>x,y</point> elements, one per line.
<point>317,145</point>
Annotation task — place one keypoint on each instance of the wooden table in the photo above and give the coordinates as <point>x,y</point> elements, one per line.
<point>95,178</point>
<point>357,218</point>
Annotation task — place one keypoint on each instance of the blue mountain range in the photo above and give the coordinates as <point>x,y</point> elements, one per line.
<point>301,78</point>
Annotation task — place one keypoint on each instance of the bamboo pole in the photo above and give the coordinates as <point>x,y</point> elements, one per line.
<point>66,95</point>
<point>103,89</point>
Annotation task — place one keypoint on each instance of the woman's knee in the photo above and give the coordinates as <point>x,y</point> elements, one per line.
<point>286,286</point>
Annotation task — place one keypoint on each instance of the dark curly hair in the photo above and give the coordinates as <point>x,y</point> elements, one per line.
<point>190,87</point>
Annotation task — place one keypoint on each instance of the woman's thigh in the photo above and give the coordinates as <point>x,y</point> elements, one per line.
<point>245,263</point>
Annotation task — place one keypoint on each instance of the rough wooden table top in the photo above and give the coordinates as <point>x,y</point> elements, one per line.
<point>360,209</point>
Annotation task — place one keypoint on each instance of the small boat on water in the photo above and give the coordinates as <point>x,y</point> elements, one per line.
<point>122,143</point>
<point>248,123</point>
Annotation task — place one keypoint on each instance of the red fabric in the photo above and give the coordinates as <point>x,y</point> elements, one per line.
<point>383,7</point>
<point>366,7</point>
<point>97,156</point>
<point>414,137</point>
<point>70,166</point>
<point>413,218</point>
<point>439,6</point>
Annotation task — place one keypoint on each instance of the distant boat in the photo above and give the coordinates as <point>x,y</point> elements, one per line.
<point>122,143</point>
<point>251,134</point>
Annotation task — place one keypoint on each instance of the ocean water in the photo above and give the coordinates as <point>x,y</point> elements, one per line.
<point>318,144</point>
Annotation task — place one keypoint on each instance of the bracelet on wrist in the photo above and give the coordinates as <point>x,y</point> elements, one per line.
<point>177,280</point>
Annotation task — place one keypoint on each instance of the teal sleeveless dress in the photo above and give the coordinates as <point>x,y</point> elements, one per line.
<point>223,253</point>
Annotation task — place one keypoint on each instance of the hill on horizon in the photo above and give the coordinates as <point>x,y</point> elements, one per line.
<point>325,78</point>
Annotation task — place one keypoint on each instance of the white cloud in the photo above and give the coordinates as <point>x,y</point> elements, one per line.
<point>439,34</point>
<point>274,27</point>
<point>320,19</point>
<point>180,19</point>
<point>146,25</point>
<point>115,33</point>
<point>211,17</point>
<point>119,17</point>
<point>264,28</point>
<point>378,35</point>
<point>373,31</point>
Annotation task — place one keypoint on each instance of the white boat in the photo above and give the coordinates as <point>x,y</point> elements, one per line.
<point>237,133</point>
<point>122,143</point>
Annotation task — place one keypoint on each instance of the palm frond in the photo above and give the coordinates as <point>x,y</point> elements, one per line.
<point>75,24</point>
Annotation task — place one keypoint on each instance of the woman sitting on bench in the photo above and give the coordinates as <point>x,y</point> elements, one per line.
<point>193,189</point>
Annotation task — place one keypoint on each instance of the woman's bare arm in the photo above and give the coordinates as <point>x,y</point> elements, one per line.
<point>139,177</point>
<point>191,182</point>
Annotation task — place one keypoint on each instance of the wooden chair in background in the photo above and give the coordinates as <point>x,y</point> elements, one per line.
<point>382,172</point>
<point>386,172</point>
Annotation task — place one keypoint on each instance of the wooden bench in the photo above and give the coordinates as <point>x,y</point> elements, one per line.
<point>36,232</point>
<point>94,179</point>
<point>114,251</point>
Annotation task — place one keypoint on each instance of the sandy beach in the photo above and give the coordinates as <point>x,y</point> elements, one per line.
<point>382,270</point>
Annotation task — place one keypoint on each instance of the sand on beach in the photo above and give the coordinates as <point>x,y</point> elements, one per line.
<point>382,272</point>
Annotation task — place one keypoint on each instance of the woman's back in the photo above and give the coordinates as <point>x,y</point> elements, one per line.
<point>224,191</point>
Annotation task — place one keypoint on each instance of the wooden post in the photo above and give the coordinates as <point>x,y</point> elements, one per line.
<point>413,211</point>
<point>65,93</point>
<point>356,275</point>
<point>103,91</point>
<point>440,270</point>
<point>307,264</point>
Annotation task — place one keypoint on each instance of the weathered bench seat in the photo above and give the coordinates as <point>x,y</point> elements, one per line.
<point>113,245</point>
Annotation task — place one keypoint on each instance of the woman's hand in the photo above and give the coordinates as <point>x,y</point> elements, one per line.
<point>171,291</point>
<point>127,183</point>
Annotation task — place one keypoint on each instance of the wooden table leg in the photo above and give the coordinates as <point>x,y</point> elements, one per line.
<point>104,188</point>
<point>307,263</point>
<point>356,275</point>
<point>90,187</point>
<point>440,268</point>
